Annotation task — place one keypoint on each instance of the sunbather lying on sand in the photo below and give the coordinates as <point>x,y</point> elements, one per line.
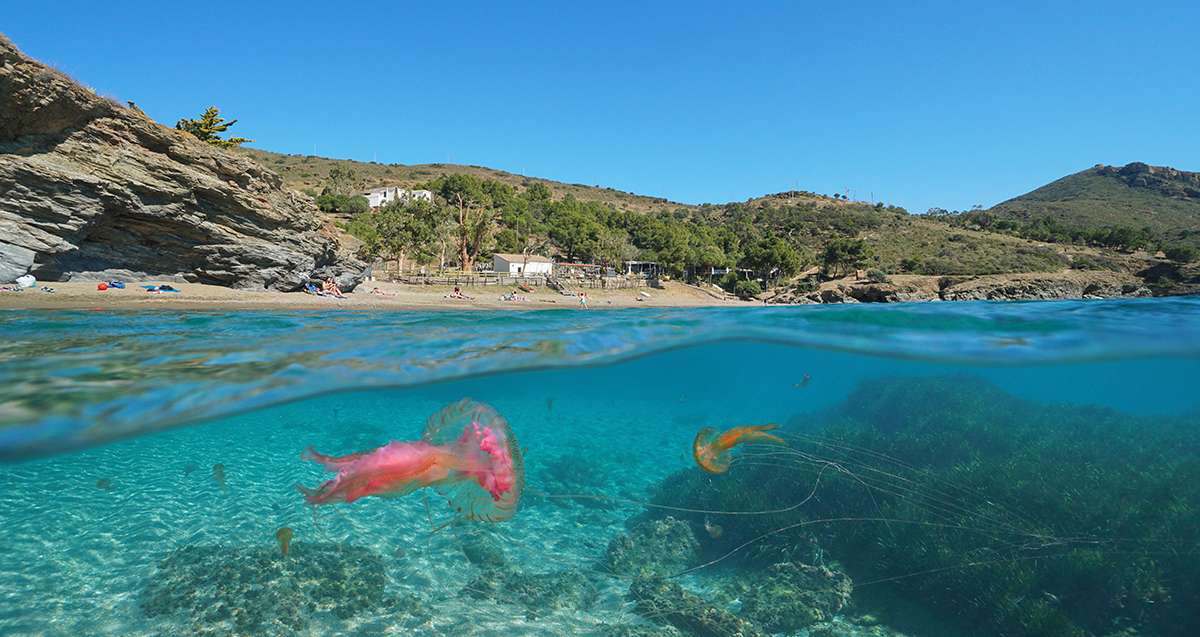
<point>331,288</point>
<point>457,294</point>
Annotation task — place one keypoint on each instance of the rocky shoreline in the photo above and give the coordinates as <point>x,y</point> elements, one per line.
<point>1034,286</point>
<point>90,188</point>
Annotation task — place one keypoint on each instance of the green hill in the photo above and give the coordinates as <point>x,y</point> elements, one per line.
<point>771,239</point>
<point>1133,206</point>
<point>309,173</point>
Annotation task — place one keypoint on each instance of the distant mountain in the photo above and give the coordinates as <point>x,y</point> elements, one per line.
<point>1166,201</point>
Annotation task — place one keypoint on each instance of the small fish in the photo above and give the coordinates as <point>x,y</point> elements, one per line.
<point>804,381</point>
<point>219,474</point>
<point>284,537</point>
<point>714,530</point>
<point>104,484</point>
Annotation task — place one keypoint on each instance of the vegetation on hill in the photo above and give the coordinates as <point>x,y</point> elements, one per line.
<point>746,246</point>
<point>309,173</point>
<point>1136,206</point>
<point>763,242</point>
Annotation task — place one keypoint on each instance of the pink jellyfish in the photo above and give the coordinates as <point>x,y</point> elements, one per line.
<point>467,453</point>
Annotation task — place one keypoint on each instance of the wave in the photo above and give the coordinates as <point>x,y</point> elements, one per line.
<point>72,379</point>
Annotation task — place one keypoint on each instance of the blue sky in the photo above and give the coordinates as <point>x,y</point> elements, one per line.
<point>916,104</point>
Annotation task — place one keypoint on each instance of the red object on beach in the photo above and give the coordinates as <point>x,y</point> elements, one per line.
<point>102,286</point>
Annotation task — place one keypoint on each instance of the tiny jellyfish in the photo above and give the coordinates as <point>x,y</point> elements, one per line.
<point>714,530</point>
<point>711,450</point>
<point>219,474</point>
<point>467,453</point>
<point>284,537</point>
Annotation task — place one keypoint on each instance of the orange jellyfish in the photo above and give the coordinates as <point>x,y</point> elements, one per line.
<point>467,453</point>
<point>712,450</point>
<point>284,536</point>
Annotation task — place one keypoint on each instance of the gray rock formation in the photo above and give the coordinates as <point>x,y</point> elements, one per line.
<point>653,547</point>
<point>89,188</point>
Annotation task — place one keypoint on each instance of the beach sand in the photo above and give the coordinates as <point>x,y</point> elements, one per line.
<point>195,296</point>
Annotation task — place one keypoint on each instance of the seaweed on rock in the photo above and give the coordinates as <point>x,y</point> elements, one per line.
<point>666,602</point>
<point>788,596</point>
<point>537,592</point>
<point>663,546</point>
<point>222,590</point>
<point>1007,516</point>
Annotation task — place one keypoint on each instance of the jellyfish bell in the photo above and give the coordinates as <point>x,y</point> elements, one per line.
<point>490,457</point>
<point>467,453</point>
<point>712,449</point>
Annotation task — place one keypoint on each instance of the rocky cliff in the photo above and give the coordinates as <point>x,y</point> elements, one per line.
<point>89,188</point>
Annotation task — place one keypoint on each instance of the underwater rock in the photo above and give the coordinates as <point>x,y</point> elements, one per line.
<point>483,550</point>
<point>567,476</point>
<point>666,602</point>
<point>790,595</point>
<point>635,630</point>
<point>573,471</point>
<point>661,546</point>
<point>840,627</point>
<point>535,591</point>
<point>248,590</point>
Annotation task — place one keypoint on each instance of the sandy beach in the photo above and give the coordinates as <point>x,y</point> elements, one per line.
<point>195,296</point>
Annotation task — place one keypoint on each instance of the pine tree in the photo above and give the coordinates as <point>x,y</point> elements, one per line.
<point>209,127</point>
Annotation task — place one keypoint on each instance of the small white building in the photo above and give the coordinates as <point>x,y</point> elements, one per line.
<point>377,197</point>
<point>527,265</point>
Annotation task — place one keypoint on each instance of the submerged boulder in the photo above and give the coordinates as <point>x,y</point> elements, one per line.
<point>221,590</point>
<point>788,596</point>
<point>666,602</point>
<point>483,550</point>
<point>662,546</point>
<point>537,592</point>
<point>89,188</point>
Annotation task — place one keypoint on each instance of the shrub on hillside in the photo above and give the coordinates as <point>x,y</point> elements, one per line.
<point>747,289</point>
<point>1182,254</point>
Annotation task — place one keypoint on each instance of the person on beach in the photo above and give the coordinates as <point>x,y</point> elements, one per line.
<point>583,300</point>
<point>331,287</point>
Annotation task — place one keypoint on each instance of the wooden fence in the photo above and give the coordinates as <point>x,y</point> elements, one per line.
<point>506,280</point>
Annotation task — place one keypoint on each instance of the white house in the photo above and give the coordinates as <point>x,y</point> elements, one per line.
<point>377,197</point>
<point>528,265</point>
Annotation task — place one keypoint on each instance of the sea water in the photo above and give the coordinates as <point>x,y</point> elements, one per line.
<point>938,468</point>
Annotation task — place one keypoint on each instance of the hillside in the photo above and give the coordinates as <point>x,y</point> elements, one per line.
<point>309,173</point>
<point>776,237</point>
<point>1160,206</point>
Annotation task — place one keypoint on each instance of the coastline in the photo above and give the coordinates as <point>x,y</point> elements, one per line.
<point>83,295</point>
<point>1066,284</point>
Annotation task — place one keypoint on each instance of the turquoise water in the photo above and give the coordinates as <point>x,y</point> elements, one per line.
<point>1038,456</point>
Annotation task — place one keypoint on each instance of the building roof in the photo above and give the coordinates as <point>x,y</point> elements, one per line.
<point>515,258</point>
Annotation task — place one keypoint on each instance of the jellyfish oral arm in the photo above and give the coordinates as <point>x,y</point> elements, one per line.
<point>395,469</point>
